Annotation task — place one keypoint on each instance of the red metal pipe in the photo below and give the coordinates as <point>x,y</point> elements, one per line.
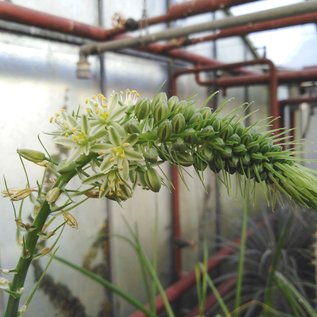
<point>176,290</point>
<point>297,101</point>
<point>284,77</point>
<point>190,8</point>
<point>211,300</point>
<point>174,173</point>
<point>272,81</point>
<point>247,29</point>
<point>20,14</point>
<point>294,102</point>
<point>182,285</point>
<point>176,224</point>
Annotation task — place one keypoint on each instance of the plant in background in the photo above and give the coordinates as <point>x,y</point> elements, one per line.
<point>279,275</point>
<point>119,143</point>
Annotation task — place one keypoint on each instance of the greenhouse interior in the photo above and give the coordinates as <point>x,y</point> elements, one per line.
<point>159,158</point>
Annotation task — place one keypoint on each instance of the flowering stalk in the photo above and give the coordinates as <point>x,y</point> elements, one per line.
<point>30,243</point>
<point>117,143</point>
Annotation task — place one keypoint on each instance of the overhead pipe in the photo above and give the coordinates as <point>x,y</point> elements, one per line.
<point>29,17</point>
<point>272,80</point>
<point>234,21</point>
<point>247,29</point>
<point>284,77</point>
<point>23,15</point>
<point>190,8</point>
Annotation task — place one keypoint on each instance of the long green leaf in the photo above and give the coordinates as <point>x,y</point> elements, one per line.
<point>133,301</point>
<point>290,290</point>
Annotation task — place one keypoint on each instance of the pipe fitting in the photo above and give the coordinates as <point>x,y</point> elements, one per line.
<point>83,70</point>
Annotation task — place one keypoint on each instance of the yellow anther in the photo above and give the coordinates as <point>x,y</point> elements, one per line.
<point>101,96</point>
<point>105,115</point>
<point>126,144</point>
<point>51,119</point>
<point>134,92</point>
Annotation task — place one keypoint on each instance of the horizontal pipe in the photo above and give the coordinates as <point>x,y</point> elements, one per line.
<point>23,15</point>
<point>296,101</point>
<point>18,14</point>
<point>211,300</point>
<point>190,8</point>
<point>247,29</point>
<point>284,77</point>
<point>29,17</point>
<point>185,283</point>
<point>234,21</point>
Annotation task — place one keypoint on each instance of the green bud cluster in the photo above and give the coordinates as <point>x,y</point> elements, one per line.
<point>127,140</point>
<point>185,135</point>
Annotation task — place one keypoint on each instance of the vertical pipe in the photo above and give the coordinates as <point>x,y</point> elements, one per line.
<point>102,89</point>
<point>275,109</point>
<point>218,216</point>
<point>176,208</point>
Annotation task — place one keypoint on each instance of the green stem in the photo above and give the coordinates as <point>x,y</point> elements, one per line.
<point>242,249</point>
<point>29,246</point>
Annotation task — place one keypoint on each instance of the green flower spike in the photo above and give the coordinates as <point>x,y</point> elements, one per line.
<point>128,137</point>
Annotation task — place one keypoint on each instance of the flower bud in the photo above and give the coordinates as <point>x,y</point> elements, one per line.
<point>152,179</point>
<point>172,102</point>
<point>226,152</point>
<point>239,149</point>
<point>196,121</point>
<point>132,126</point>
<point>159,98</point>
<point>199,164</point>
<point>190,136</point>
<point>183,158</point>
<point>179,145</point>
<point>151,155</point>
<point>70,220</point>
<point>164,130</point>
<point>178,123</point>
<point>32,155</point>
<point>234,139</point>
<point>142,109</point>
<point>18,194</point>
<point>160,111</point>
<point>53,195</point>
<point>205,112</point>
<point>189,111</point>
<point>216,124</point>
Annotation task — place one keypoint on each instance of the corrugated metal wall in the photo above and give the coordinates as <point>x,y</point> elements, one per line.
<point>38,77</point>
